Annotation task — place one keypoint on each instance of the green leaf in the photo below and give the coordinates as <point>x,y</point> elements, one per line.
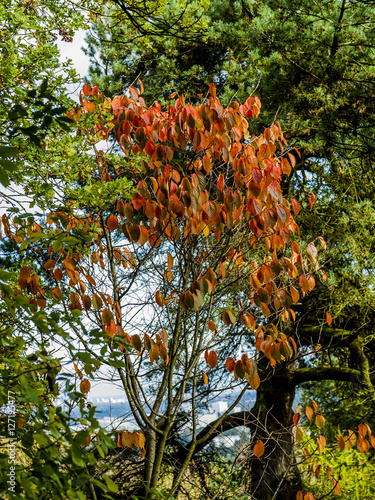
<point>8,152</point>
<point>110,484</point>
<point>24,245</point>
<point>7,164</point>
<point>4,179</point>
<point>100,451</point>
<point>70,240</point>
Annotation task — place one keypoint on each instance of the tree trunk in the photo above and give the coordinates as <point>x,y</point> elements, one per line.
<point>275,475</point>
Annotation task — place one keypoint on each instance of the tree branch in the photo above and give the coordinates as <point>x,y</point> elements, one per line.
<point>325,373</point>
<point>231,421</point>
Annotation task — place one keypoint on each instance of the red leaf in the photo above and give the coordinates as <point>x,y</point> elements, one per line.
<point>220,182</point>
<point>296,207</point>
<point>212,90</point>
<point>150,149</point>
<point>211,359</point>
<point>137,201</point>
<point>112,222</point>
<point>86,301</point>
<point>230,364</point>
<point>134,231</point>
<point>329,318</point>
<point>58,274</point>
<point>133,92</point>
<point>312,200</point>
<point>179,209</point>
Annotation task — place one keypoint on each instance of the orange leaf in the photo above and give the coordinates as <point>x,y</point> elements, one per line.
<point>337,487</point>
<point>58,274</point>
<point>87,90</point>
<point>341,443</point>
<point>255,382</point>
<point>158,298</point>
<point>296,418</point>
<point>222,270</point>
<point>90,106</point>
<point>259,449</point>
<point>230,364</point>
<point>211,325</point>
<point>329,318</point>
<point>309,412</point>
<point>170,261</point>
<point>84,386</point>
<point>295,295</point>
<point>49,265</point>
<point>212,90</point>
<point>362,429</point>
<point>56,293</point>
<point>205,378</point>
<point>211,359</point>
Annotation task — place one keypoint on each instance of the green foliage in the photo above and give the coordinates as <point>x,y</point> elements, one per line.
<point>354,470</point>
<point>41,456</point>
<point>32,78</point>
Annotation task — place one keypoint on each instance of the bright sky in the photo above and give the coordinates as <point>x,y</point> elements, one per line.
<point>74,52</point>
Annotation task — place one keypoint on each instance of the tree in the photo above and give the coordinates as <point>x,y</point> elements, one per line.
<point>41,456</point>
<point>312,65</point>
<point>206,228</point>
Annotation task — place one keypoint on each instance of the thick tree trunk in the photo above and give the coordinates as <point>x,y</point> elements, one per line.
<point>275,475</point>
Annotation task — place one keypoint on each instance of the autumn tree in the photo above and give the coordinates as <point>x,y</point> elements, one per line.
<point>312,65</point>
<point>205,231</point>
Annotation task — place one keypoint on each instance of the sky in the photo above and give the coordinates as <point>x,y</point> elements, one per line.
<point>74,52</point>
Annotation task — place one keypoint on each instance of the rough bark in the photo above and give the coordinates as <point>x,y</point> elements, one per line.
<point>275,475</point>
